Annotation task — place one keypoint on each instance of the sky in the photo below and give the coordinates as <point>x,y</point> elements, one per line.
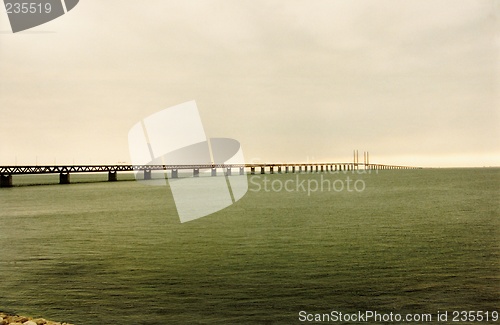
<point>413,82</point>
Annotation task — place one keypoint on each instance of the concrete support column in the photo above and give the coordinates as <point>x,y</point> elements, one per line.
<point>147,174</point>
<point>271,169</point>
<point>242,170</point>
<point>175,173</point>
<point>262,170</point>
<point>300,169</point>
<point>228,171</point>
<point>286,169</point>
<point>64,178</point>
<point>214,171</point>
<point>322,168</point>
<point>279,169</point>
<point>293,169</point>
<point>196,172</point>
<point>112,176</point>
<point>5,180</point>
<point>252,170</point>
<point>317,168</point>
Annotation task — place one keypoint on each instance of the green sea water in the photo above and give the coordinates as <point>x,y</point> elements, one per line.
<point>413,241</point>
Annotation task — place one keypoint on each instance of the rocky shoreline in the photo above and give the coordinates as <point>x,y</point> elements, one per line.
<point>9,319</point>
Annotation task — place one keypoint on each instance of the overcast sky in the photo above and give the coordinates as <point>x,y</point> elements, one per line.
<point>413,82</point>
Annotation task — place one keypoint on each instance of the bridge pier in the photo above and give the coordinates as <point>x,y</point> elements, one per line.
<point>293,169</point>
<point>147,174</point>
<point>242,170</point>
<point>252,170</point>
<point>64,178</point>
<point>271,170</point>
<point>214,171</point>
<point>5,180</point>
<point>196,172</point>
<point>286,169</point>
<point>175,173</point>
<point>228,171</point>
<point>112,176</point>
<point>279,169</point>
<point>262,170</point>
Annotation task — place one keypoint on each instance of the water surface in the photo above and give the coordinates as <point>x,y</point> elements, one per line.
<point>412,241</point>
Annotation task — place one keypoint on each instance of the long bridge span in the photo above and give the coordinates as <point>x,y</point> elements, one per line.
<point>64,171</point>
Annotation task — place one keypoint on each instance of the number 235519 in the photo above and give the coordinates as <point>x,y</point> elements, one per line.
<point>28,7</point>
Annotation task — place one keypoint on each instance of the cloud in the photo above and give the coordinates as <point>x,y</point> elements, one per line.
<point>285,78</point>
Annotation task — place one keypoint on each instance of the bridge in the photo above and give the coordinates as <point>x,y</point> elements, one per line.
<point>6,172</point>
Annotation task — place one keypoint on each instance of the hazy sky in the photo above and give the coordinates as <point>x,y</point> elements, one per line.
<point>413,82</point>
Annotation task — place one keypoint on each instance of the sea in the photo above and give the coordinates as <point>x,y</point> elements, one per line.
<point>292,250</point>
